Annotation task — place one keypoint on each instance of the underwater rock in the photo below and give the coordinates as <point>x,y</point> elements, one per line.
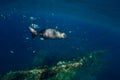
<point>61,71</point>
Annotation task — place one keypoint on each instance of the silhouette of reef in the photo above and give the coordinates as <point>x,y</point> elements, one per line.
<point>89,64</point>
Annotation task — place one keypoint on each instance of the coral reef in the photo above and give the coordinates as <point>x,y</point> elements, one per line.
<point>61,71</point>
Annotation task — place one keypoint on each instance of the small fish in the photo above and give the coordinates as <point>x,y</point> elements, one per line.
<point>35,26</point>
<point>11,51</point>
<point>48,33</point>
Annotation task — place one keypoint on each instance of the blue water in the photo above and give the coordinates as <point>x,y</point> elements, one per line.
<point>94,25</point>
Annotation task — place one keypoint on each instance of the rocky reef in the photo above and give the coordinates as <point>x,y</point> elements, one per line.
<point>88,65</point>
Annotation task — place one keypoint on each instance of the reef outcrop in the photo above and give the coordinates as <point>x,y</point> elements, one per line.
<point>89,65</point>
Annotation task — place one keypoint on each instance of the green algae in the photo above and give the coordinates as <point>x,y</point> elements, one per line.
<point>86,67</point>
